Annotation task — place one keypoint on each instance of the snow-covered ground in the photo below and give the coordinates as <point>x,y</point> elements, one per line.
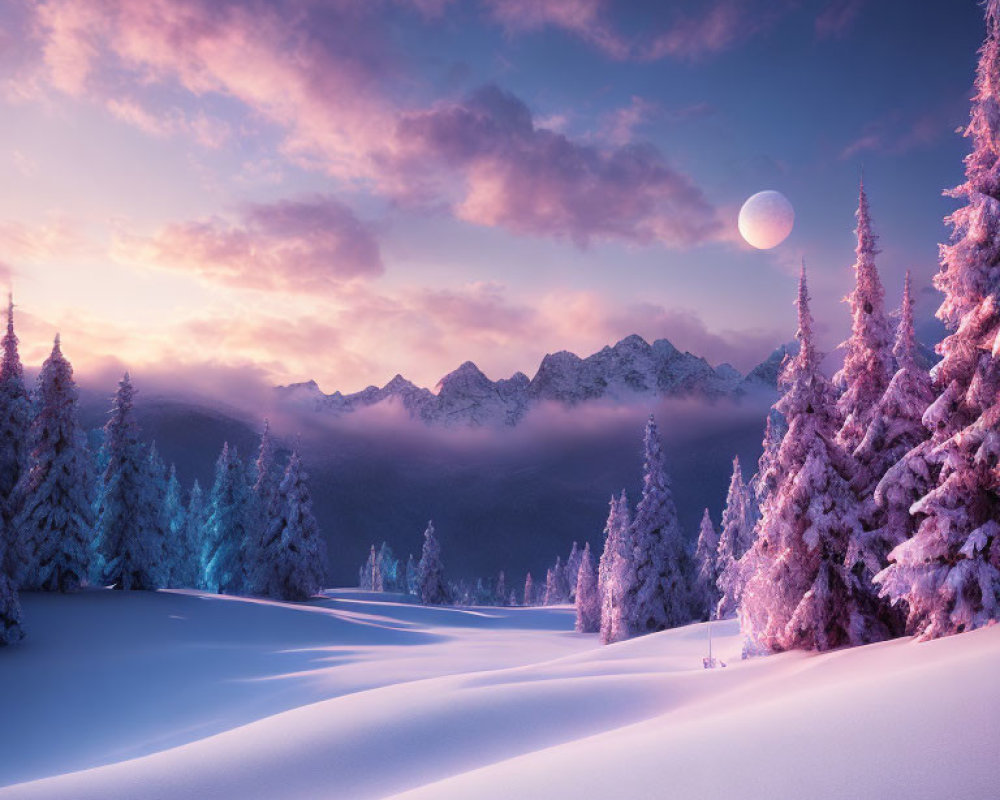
<point>182,695</point>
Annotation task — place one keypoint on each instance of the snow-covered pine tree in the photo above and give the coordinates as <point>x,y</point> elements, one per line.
<point>774,431</point>
<point>194,531</point>
<point>659,596</point>
<point>265,476</point>
<point>798,592</point>
<point>868,352</point>
<point>529,590</point>
<point>738,520</point>
<point>500,591</point>
<point>572,570</point>
<point>293,555</point>
<point>388,568</point>
<point>227,526</point>
<point>614,571</point>
<point>15,418</point>
<point>125,534</point>
<point>707,577</point>
<point>11,630</point>
<point>893,472</point>
<point>54,496</point>
<point>176,565</point>
<point>588,599</point>
<point>377,579</point>
<point>156,487</point>
<point>552,594</point>
<point>430,571</point>
<point>411,575</point>
<point>949,572</point>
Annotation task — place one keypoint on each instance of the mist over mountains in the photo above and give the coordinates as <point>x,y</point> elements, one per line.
<point>511,471</point>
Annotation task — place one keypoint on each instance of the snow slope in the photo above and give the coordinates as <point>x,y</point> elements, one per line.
<point>182,695</point>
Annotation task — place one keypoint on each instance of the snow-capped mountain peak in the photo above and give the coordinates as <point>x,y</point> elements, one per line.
<point>621,372</point>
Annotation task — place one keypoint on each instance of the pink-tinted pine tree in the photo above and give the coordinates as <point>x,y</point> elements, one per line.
<point>868,352</point>
<point>948,574</point>
<point>588,599</point>
<point>614,570</point>
<point>798,593</point>
<point>736,538</point>
<point>659,594</point>
<point>706,590</point>
<point>892,457</point>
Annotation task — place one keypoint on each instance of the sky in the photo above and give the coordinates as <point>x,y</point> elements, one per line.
<point>343,190</point>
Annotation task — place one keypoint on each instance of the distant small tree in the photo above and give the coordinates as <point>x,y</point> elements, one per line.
<point>411,575</point>
<point>500,591</point>
<point>572,569</point>
<point>529,590</point>
<point>588,599</point>
<point>614,571</point>
<point>430,571</point>
<point>736,538</point>
<point>707,577</point>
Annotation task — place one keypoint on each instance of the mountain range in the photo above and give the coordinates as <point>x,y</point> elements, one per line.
<point>631,369</point>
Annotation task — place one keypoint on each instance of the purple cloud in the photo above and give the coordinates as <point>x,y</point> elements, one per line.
<point>293,245</point>
<point>536,181</point>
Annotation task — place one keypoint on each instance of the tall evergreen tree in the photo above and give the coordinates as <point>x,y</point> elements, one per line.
<point>15,418</point>
<point>867,353</point>
<point>155,487</point>
<point>588,599</point>
<point>949,572</point>
<point>571,570</point>
<point>895,473</point>
<point>388,566</point>
<point>430,571</point>
<point>293,554</point>
<point>55,518</point>
<point>798,592</point>
<point>227,526</point>
<point>707,577</point>
<point>126,531</point>
<point>614,574</point>
<point>529,590</point>
<point>660,596</point>
<point>194,529</point>
<point>14,421</point>
<point>176,571</point>
<point>266,477</point>
<point>736,538</point>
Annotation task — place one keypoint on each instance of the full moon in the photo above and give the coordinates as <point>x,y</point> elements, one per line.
<point>766,219</point>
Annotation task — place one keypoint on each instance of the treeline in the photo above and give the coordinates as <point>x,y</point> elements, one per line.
<point>117,516</point>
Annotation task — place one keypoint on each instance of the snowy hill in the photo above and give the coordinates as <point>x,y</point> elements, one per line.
<point>176,695</point>
<point>629,370</point>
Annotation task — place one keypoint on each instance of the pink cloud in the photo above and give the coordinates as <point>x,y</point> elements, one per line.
<point>837,17</point>
<point>293,245</point>
<point>312,69</point>
<point>897,136</point>
<point>583,18</point>
<point>681,30</point>
<point>532,180</point>
<point>208,131</point>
